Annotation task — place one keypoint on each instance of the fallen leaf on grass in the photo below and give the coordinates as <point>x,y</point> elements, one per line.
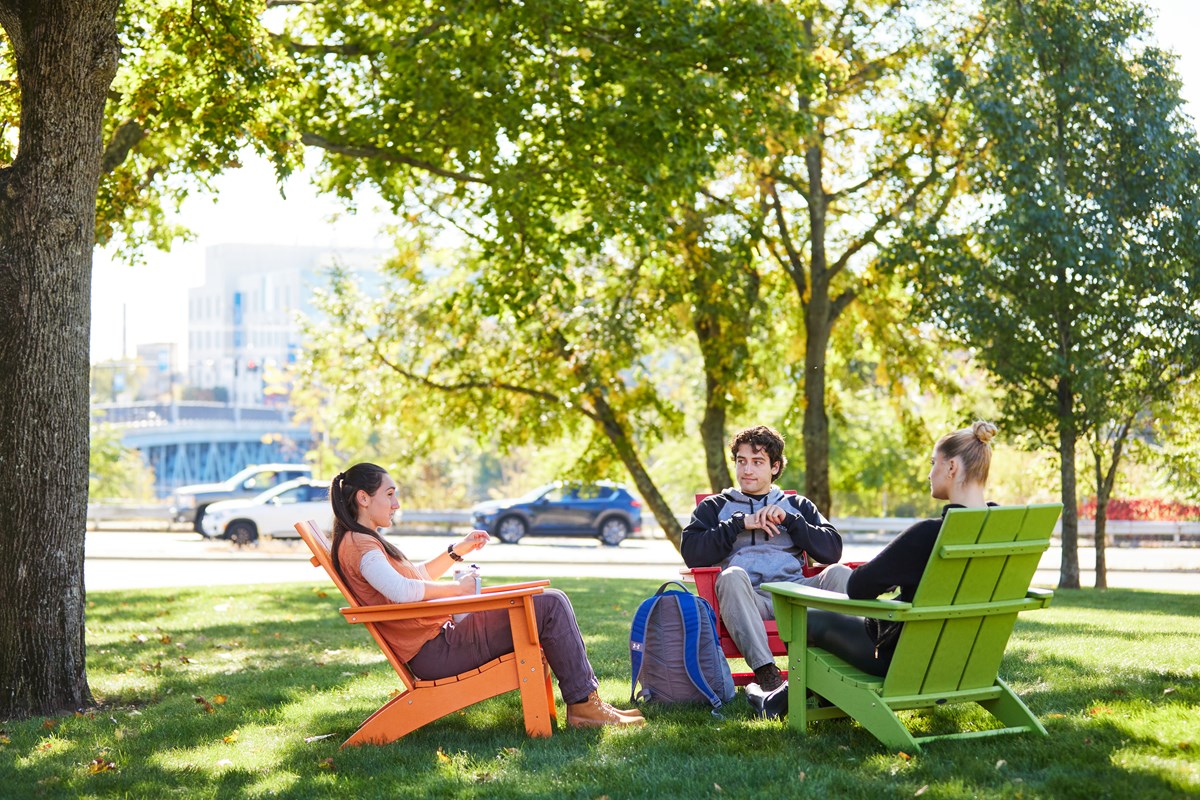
<point>1096,711</point>
<point>442,758</point>
<point>904,755</point>
<point>1055,716</point>
<point>231,738</point>
<point>184,660</point>
<point>311,739</point>
<point>717,786</point>
<point>157,665</point>
<point>1001,763</point>
<point>326,763</point>
<point>921,791</point>
<point>1169,690</point>
<point>46,745</point>
<point>49,723</point>
<point>208,708</point>
<point>101,764</point>
<point>140,638</point>
<point>219,699</point>
<point>802,776</point>
<point>4,739</point>
<point>395,693</point>
<point>165,638</point>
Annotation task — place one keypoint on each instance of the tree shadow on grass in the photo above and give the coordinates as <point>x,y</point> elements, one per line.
<point>290,669</point>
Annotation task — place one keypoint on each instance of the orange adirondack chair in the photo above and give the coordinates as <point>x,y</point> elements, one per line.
<point>422,701</point>
<point>705,579</point>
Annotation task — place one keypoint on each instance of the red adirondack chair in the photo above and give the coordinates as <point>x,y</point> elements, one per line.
<point>705,579</point>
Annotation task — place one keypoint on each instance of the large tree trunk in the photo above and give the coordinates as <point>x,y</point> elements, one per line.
<point>66,56</point>
<point>1068,577</point>
<point>713,350</point>
<point>618,435</point>
<point>818,311</point>
<point>712,434</point>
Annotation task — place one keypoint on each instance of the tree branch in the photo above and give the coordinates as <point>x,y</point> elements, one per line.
<point>124,139</point>
<point>796,261</point>
<point>372,152</point>
<point>461,386</point>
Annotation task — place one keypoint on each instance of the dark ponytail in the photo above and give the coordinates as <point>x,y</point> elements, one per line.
<point>342,490</point>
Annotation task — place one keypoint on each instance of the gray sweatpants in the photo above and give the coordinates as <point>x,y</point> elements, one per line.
<point>744,607</point>
<point>485,635</point>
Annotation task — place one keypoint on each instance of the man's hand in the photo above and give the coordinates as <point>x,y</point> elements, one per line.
<point>769,520</point>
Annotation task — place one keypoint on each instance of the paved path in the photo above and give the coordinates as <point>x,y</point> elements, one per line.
<point>137,559</point>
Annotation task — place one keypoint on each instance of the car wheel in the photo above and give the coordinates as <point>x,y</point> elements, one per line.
<point>613,531</point>
<point>242,533</point>
<point>196,524</point>
<point>511,530</point>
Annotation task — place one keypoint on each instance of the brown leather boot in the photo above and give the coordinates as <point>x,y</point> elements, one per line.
<point>594,713</point>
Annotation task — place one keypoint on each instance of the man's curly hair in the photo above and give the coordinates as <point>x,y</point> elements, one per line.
<point>761,438</point>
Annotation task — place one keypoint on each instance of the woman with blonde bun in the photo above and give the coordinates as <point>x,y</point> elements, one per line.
<point>958,474</point>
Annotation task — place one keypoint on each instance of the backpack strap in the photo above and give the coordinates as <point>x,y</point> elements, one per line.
<point>637,640</point>
<point>691,646</point>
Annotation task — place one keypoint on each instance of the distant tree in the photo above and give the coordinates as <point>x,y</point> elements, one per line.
<point>1078,286</point>
<point>116,472</point>
<point>872,149</point>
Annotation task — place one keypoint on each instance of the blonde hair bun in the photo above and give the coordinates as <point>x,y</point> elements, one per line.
<point>984,431</point>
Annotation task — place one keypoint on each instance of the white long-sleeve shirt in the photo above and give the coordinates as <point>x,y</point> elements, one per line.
<point>376,570</point>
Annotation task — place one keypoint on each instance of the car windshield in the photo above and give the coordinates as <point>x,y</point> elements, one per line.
<point>536,494</point>
<point>273,492</point>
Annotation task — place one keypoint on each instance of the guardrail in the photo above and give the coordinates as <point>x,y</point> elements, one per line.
<point>421,520</point>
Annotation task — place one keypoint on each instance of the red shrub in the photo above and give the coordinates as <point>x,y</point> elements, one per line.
<point>1142,508</point>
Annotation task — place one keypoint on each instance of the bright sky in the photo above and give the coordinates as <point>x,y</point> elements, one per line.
<point>248,209</point>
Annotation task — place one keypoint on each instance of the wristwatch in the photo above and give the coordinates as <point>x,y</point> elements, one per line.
<point>739,520</point>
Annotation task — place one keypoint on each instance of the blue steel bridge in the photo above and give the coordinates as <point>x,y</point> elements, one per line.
<point>205,442</point>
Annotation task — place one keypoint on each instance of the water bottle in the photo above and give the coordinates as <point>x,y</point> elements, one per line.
<point>473,569</point>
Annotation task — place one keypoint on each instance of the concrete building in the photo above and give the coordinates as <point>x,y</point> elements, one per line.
<point>244,320</point>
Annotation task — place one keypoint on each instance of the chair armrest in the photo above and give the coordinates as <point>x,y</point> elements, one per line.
<point>898,611</point>
<point>1043,596</point>
<point>812,597</point>
<point>691,573</point>
<point>507,587</point>
<point>503,597</point>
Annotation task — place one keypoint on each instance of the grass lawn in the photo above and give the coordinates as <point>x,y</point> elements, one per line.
<point>248,692</point>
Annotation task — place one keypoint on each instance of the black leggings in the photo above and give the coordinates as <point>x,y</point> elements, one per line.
<point>846,637</point>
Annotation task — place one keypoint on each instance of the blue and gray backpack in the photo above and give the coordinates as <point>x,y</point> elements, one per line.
<point>675,652</point>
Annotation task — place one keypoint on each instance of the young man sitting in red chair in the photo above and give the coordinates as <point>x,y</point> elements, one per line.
<point>757,534</point>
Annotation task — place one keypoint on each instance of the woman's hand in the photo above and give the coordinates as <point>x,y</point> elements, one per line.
<point>475,540</point>
<point>468,581</point>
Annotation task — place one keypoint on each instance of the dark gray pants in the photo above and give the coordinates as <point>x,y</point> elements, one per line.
<point>486,635</point>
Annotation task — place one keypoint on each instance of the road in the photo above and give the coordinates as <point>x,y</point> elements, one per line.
<point>150,559</point>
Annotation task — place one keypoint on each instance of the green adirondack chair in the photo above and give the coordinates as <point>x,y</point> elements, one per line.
<point>955,631</point>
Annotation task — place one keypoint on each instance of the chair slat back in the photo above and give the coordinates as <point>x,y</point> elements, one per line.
<point>980,556</point>
<point>317,542</point>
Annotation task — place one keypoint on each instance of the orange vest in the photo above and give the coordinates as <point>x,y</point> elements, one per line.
<point>405,637</point>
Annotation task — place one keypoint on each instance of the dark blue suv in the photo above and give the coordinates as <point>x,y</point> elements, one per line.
<point>604,510</point>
